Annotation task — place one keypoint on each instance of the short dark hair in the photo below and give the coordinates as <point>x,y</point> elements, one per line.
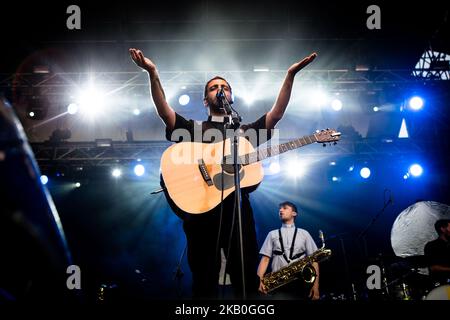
<point>216,77</point>
<point>290,204</point>
<point>442,223</point>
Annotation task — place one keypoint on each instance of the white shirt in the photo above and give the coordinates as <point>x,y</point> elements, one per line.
<point>303,243</point>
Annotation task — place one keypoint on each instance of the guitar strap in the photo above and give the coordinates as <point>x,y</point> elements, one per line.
<point>292,246</point>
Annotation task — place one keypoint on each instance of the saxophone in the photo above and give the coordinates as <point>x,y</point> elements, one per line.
<point>301,268</point>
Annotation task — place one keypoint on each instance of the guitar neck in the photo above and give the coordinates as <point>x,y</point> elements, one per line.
<point>262,154</point>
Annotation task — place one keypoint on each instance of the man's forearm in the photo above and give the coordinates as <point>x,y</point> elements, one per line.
<point>157,92</point>
<point>316,267</point>
<point>283,97</point>
<point>262,268</point>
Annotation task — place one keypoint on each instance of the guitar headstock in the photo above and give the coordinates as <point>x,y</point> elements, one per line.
<point>327,135</point>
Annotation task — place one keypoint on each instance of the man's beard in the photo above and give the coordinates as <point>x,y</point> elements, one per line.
<point>214,107</point>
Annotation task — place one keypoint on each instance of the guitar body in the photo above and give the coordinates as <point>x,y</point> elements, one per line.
<point>190,189</point>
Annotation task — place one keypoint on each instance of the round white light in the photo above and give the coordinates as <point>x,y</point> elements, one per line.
<point>77,184</point>
<point>31,114</point>
<point>116,173</point>
<point>139,170</point>
<point>72,108</point>
<point>416,103</point>
<point>184,99</point>
<point>336,104</point>
<point>318,97</point>
<point>365,172</point>
<point>376,109</point>
<point>415,170</point>
<point>136,112</point>
<point>44,179</point>
<point>274,167</point>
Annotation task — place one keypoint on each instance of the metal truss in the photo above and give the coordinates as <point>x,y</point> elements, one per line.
<point>61,83</point>
<point>90,154</point>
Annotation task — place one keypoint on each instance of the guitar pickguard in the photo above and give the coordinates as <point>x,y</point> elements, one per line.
<point>228,181</point>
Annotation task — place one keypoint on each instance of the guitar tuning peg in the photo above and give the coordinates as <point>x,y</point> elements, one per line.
<point>334,143</point>
<point>324,145</point>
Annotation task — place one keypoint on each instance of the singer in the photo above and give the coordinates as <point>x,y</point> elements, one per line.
<point>213,234</point>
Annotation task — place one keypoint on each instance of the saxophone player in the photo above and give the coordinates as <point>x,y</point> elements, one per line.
<point>284,246</point>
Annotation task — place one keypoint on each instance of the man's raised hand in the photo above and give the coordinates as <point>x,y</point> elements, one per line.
<point>296,67</point>
<point>140,60</point>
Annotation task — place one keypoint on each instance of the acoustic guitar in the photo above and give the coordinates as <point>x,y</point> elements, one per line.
<point>192,171</point>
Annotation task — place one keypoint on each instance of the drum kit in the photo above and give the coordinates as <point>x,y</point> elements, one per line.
<point>408,273</point>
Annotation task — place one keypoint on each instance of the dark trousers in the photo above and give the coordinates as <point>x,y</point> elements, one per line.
<point>203,258</point>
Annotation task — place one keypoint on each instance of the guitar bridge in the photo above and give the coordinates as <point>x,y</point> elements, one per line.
<point>204,172</point>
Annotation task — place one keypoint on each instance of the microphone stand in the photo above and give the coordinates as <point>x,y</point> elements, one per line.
<point>178,273</point>
<point>235,122</point>
<point>364,232</point>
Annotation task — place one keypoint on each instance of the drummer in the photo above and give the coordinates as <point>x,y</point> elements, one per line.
<point>437,252</point>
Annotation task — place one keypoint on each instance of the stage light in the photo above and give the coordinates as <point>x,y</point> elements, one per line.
<point>261,69</point>
<point>336,104</point>
<point>335,179</point>
<point>332,163</point>
<point>274,167</point>
<point>91,102</point>
<point>31,114</point>
<point>44,179</point>
<point>365,172</point>
<point>318,97</point>
<point>116,173</point>
<point>248,98</point>
<point>376,109</point>
<point>406,176</point>
<point>416,103</point>
<point>296,168</point>
<point>184,99</point>
<point>77,184</point>
<point>350,169</point>
<point>415,170</point>
<point>136,112</point>
<point>72,108</point>
<point>139,170</point>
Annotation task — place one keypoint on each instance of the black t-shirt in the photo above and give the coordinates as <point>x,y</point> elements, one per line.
<point>437,252</point>
<point>196,129</point>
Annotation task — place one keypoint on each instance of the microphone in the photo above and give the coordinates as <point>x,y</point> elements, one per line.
<point>223,101</point>
<point>220,94</point>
